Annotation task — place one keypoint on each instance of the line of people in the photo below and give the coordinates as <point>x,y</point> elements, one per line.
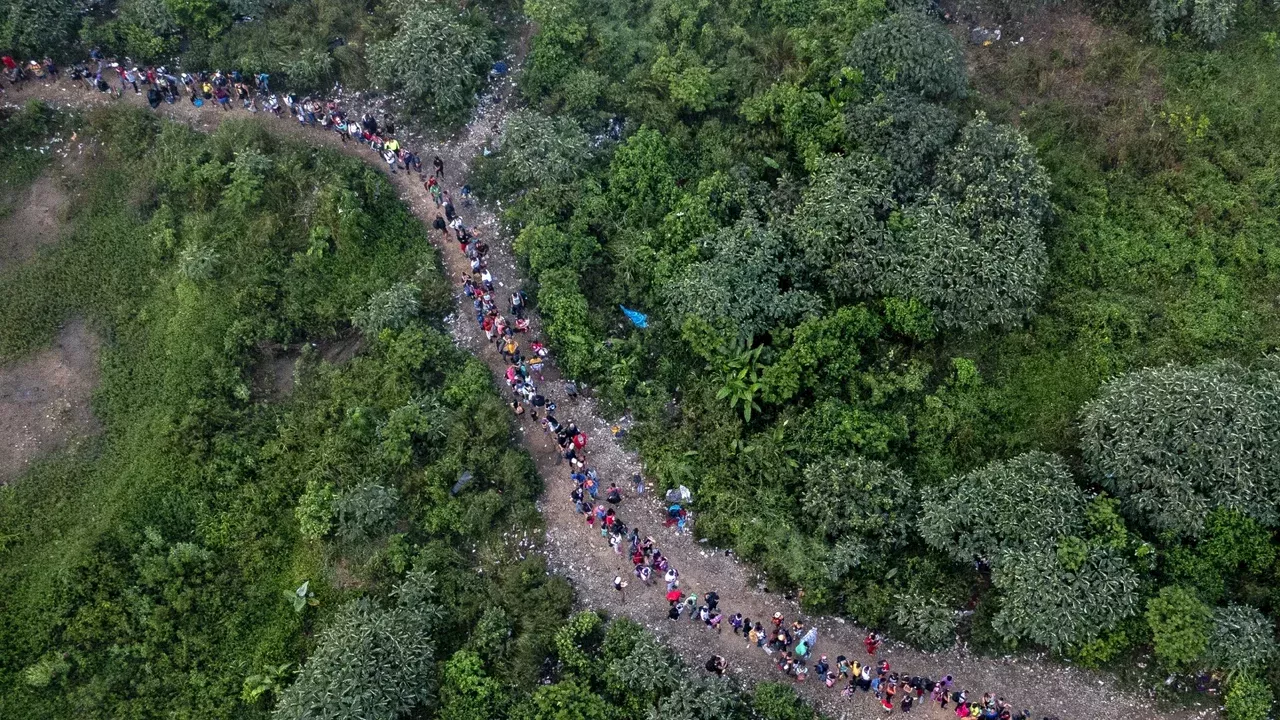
<point>251,91</point>
<point>792,643</point>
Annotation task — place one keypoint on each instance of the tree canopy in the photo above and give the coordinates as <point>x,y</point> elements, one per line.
<point>909,52</point>
<point>1174,443</point>
<point>436,55</point>
<point>1027,500</point>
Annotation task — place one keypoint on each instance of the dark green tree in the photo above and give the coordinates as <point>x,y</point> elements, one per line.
<point>839,227</point>
<point>437,55</point>
<point>1009,504</point>
<point>908,132</point>
<point>538,149</point>
<point>1173,443</point>
<point>1061,599</point>
<point>911,53</point>
<point>371,662</point>
<point>1243,640</point>
<point>856,499</point>
<point>744,286</point>
<point>973,250</point>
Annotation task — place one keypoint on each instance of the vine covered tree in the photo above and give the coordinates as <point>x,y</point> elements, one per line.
<point>840,226</point>
<point>1058,599</point>
<point>436,55</point>
<point>538,149</point>
<point>744,286</point>
<point>910,52</point>
<point>1173,443</point>
<point>1243,639</point>
<point>1027,499</point>
<point>973,250</point>
<point>909,132</point>
<point>862,500</point>
<point>372,662</point>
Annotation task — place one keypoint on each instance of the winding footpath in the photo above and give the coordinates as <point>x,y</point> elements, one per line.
<point>578,552</point>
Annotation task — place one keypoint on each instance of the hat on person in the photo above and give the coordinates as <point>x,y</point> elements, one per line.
<point>777,615</point>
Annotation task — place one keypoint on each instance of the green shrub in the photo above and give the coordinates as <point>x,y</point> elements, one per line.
<point>1249,698</point>
<point>1210,20</point>
<point>926,621</point>
<point>365,511</point>
<point>568,323</point>
<point>1180,624</point>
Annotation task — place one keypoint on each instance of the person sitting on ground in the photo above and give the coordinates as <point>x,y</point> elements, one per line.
<point>717,665</point>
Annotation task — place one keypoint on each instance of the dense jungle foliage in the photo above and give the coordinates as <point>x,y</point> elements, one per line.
<point>958,342</point>
<point>938,340</point>
<point>215,555</point>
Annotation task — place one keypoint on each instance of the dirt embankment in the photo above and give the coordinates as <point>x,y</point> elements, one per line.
<point>44,399</point>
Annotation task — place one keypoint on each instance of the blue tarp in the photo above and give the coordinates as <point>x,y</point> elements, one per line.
<point>636,317</point>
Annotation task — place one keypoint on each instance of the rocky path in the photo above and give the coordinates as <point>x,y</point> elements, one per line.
<point>1045,688</point>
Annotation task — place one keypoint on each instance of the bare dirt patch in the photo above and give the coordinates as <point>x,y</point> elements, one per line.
<point>44,399</point>
<point>1095,80</point>
<point>35,218</point>
<point>273,376</point>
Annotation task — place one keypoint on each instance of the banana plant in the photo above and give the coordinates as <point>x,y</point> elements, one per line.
<point>740,378</point>
<point>255,686</point>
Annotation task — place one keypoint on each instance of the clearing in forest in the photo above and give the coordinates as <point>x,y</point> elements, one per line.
<point>44,399</point>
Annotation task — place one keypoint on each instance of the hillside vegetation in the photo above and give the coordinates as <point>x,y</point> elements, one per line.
<point>936,342</point>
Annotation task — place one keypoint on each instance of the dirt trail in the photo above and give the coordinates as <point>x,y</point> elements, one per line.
<point>578,552</point>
